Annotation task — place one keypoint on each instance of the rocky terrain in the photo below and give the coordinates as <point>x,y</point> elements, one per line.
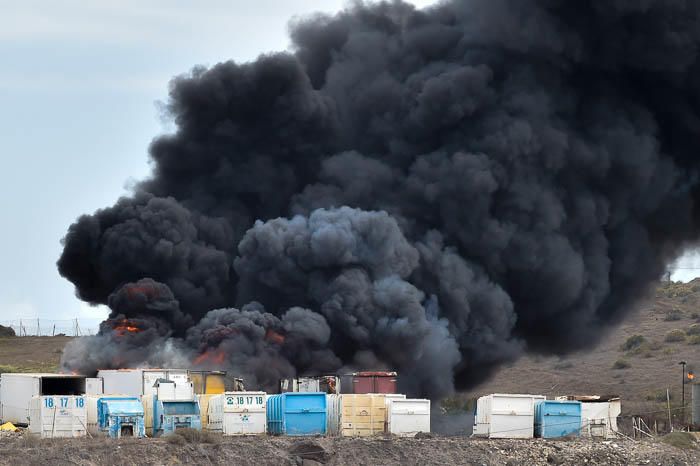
<point>212,449</point>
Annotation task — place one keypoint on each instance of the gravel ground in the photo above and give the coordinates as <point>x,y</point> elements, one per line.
<point>22,449</point>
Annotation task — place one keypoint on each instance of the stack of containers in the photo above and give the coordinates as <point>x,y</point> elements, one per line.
<point>297,414</point>
<point>407,417</point>
<point>557,418</point>
<point>238,413</point>
<point>58,416</point>
<point>352,415</point>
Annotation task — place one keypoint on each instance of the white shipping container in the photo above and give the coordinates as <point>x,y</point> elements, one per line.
<point>17,391</point>
<point>93,386</point>
<point>408,417</point>
<point>170,391</point>
<point>505,416</point>
<point>599,419</point>
<point>58,416</point>
<point>137,382</point>
<point>242,413</point>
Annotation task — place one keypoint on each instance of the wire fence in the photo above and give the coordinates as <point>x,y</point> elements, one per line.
<point>50,327</point>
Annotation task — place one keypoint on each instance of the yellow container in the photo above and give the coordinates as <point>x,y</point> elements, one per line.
<point>362,415</point>
<point>208,382</point>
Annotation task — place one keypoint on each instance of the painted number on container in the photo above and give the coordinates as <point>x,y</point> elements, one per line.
<point>64,402</point>
<point>245,399</point>
<point>80,402</point>
<point>48,402</point>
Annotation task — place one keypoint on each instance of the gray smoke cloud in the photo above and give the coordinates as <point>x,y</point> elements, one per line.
<point>433,191</point>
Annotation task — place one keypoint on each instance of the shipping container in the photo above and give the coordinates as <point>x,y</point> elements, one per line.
<point>208,382</point>
<point>121,417</point>
<point>351,415</point>
<point>148,402</point>
<point>238,413</point>
<point>502,415</point>
<point>557,418</point>
<point>598,415</point>
<point>137,382</point>
<point>93,386</point>
<point>408,417</point>
<point>17,391</point>
<point>388,398</point>
<point>204,401</point>
<point>368,382</point>
<point>297,414</point>
<point>58,416</point>
<point>325,383</point>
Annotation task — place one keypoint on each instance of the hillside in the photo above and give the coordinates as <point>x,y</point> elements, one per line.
<point>640,374</point>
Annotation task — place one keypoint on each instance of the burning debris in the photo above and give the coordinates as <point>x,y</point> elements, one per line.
<point>432,191</point>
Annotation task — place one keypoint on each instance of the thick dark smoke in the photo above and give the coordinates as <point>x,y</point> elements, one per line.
<point>432,191</point>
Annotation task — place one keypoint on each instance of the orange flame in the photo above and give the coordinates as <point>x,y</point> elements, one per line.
<point>125,326</point>
<point>691,376</point>
<point>274,337</point>
<point>211,357</point>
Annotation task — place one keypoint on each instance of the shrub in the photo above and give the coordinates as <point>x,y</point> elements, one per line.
<point>658,396</point>
<point>693,329</point>
<point>682,440</point>
<point>668,351</point>
<point>674,336</point>
<point>633,342</point>
<point>694,340</point>
<point>621,364</point>
<point>673,315</point>
<point>196,436</point>
<point>176,439</point>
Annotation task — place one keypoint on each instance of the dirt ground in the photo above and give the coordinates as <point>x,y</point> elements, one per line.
<point>21,449</point>
<point>31,354</point>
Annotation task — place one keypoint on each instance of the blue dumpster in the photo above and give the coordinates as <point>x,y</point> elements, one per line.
<point>297,414</point>
<point>121,417</point>
<point>554,419</point>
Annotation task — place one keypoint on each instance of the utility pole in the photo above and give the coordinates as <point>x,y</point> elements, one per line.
<point>682,364</point>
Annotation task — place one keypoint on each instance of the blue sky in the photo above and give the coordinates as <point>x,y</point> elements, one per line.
<point>79,92</point>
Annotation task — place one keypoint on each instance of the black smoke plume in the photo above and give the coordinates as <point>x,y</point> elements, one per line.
<point>433,191</point>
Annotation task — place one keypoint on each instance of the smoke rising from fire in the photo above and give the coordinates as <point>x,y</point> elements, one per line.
<point>433,191</point>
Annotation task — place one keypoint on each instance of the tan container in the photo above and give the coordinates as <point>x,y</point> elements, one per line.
<point>204,409</point>
<point>208,382</point>
<point>147,401</point>
<point>362,415</point>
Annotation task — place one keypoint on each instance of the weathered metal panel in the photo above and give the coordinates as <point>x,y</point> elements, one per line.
<point>408,417</point>
<point>362,415</point>
<point>505,415</point>
<point>58,416</point>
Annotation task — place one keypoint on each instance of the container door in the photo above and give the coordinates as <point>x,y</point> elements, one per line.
<point>362,384</point>
<point>511,416</point>
<point>305,414</point>
<point>363,415</point>
<point>384,384</point>
<point>408,417</point>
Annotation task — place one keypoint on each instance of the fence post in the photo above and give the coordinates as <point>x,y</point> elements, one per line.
<point>53,332</point>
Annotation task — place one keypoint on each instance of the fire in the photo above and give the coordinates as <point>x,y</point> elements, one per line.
<point>691,376</point>
<point>274,337</point>
<point>210,357</point>
<point>124,327</point>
